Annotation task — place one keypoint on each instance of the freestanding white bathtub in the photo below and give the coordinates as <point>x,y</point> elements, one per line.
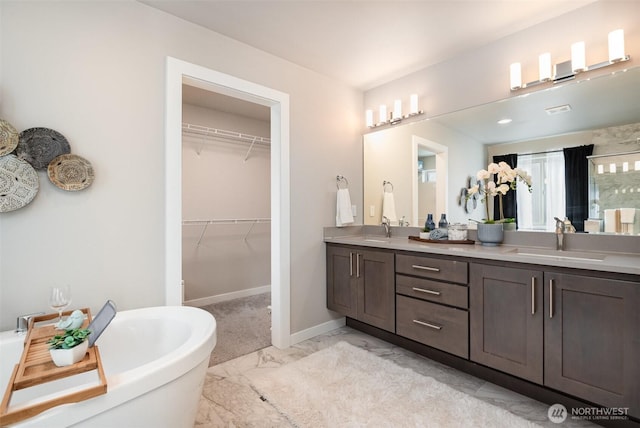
<point>154,360</point>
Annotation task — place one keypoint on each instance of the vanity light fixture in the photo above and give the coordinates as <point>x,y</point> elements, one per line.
<point>569,69</point>
<point>396,115</point>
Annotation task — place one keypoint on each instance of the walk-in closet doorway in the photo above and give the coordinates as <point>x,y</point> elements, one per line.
<point>179,73</point>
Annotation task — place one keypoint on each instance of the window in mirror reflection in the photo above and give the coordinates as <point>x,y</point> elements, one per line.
<point>537,209</point>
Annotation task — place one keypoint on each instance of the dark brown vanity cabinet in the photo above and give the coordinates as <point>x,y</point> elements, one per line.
<point>506,320</point>
<point>360,284</point>
<point>577,334</point>
<point>432,302</point>
<point>592,339</point>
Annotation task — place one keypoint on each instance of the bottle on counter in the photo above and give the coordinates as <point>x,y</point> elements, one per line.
<point>429,225</point>
<point>443,223</point>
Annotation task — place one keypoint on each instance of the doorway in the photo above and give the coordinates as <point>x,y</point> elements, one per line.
<point>178,73</point>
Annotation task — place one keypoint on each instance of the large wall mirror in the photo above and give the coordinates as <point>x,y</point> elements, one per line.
<point>604,111</point>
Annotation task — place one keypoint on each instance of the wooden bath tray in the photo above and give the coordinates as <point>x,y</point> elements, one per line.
<point>36,367</point>
<point>442,241</point>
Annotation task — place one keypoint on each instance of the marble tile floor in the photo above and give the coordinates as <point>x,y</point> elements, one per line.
<point>228,399</point>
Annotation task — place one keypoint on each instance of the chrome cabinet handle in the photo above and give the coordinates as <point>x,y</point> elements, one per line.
<point>551,298</point>
<point>426,324</point>
<point>425,268</point>
<point>422,290</point>
<point>350,264</point>
<point>533,295</point>
<point>357,265</point>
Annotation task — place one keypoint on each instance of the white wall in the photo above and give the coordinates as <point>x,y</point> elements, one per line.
<point>218,183</point>
<point>482,75</point>
<point>95,72</point>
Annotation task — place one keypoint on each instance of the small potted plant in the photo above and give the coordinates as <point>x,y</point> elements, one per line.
<point>69,347</point>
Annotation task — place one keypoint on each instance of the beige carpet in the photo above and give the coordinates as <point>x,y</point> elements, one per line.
<point>344,386</point>
<point>243,326</point>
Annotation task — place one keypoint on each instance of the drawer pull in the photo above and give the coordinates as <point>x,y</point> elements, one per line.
<point>350,264</point>
<point>422,290</point>
<point>533,295</point>
<point>426,324</point>
<point>426,268</point>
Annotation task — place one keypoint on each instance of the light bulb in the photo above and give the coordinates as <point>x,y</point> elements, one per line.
<point>577,57</point>
<point>516,76</point>
<point>616,45</point>
<point>413,104</point>
<point>369,118</point>
<point>383,113</point>
<point>544,67</point>
<point>397,109</point>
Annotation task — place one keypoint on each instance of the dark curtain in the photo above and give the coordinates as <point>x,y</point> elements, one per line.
<point>509,200</point>
<point>576,179</point>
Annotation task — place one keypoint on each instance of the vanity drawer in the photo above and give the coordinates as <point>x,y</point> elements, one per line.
<point>434,325</point>
<point>434,291</point>
<point>426,267</point>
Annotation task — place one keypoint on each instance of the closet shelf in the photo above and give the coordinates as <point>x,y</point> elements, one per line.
<point>206,223</point>
<point>223,134</point>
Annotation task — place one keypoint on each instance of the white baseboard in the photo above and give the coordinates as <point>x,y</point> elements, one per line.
<point>317,330</point>
<point>204,301</point>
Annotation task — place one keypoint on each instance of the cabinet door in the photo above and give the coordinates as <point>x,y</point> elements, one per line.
<point>342,292</point>
<point>592,339</point>
<point>506,320</point>
<point>376,289</point>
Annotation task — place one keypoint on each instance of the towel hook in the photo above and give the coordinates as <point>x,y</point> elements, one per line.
<point>342,179</point>
<point>384,185</point>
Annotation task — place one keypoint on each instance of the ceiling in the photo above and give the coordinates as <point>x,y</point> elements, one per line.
<point>366,43</point>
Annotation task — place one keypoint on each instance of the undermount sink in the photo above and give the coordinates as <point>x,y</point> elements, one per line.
<point>375,240</point>
<point>561,255</point>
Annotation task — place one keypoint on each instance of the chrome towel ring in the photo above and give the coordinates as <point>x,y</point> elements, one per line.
<point>342,180</point>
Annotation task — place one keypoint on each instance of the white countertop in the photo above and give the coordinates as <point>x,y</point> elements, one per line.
<point>590,260</point>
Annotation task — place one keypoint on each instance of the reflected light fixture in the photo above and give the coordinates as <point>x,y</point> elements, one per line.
<point>569,69</point>
<point>600,169</point>
<point>625,166</point>
<point>396,115</point>
<point>636,165</point>
<point>612,168</point>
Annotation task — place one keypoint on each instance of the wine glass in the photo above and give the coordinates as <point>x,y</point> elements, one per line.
<point>59,299</point>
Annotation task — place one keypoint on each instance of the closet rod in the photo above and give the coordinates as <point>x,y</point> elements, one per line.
<point>206,224</point>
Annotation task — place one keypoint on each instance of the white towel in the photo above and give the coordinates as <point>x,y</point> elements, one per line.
<point>389,207</point>
<point>627,215</point>
<point>343,208</point>
<point>611,221</point>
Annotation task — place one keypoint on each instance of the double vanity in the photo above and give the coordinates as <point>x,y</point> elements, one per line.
<point>559,326</point>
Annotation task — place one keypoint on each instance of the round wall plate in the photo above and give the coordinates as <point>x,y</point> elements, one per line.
<point>70,172</point>
<point>39,146</point>
<point>8,137</point>
<point>18,183</point>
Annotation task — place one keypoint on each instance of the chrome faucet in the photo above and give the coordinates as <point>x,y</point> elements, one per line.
<point>559,234</point>
<point>22,322</point>
<point>402,222</point>
<point>387,226</point>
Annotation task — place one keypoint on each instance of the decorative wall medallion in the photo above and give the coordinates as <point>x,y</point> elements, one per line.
<point>8,137</point>
<point>39,146</point>
<point>70,172</point>
<point>18,183</point>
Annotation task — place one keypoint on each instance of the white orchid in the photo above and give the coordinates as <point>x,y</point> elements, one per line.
<point>506,178</point>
